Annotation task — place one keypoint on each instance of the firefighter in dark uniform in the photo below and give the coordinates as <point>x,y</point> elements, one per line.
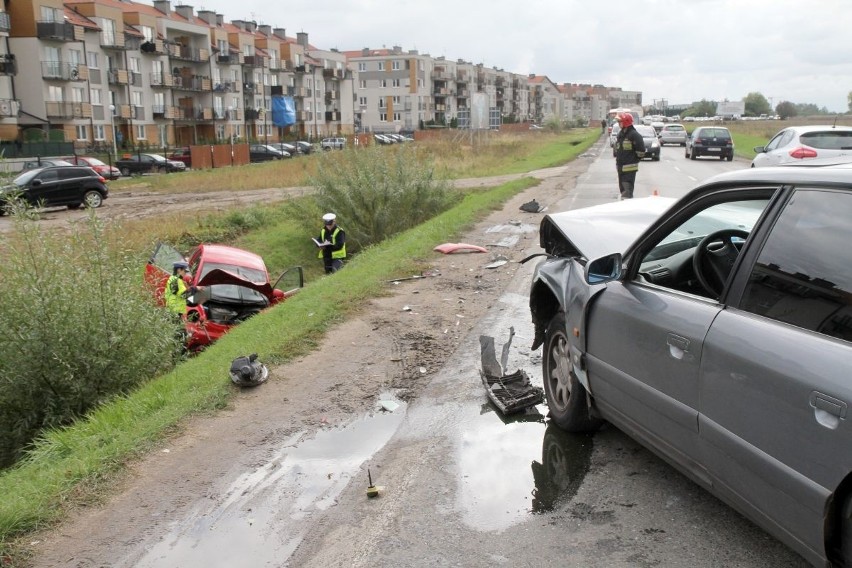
<point>629,149</point>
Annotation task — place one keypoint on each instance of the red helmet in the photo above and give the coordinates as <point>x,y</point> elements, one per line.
<point>625,118</point>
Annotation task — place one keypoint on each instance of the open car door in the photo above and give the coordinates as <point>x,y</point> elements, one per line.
<point>159,269</point>
<point>291,281</point>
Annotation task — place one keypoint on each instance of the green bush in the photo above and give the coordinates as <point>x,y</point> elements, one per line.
<point>78,328</point>
<point>377,192</point>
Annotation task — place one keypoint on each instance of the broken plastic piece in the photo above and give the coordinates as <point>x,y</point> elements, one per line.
<point>509,393</point>
<point>388,405</point>
<point>450,248</point>
<point>532,207</point>
<point>499,261</point>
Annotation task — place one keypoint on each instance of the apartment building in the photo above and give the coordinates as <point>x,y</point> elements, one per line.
<point>124,72</point>
<point>585,102</point>
<point>547,102</point>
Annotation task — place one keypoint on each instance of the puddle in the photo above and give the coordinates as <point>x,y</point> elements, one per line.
<point>512,467</point>
<point>263,510</point>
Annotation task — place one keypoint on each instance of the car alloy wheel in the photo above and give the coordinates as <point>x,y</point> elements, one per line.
<point>93,199</point>
<point>566,397</point>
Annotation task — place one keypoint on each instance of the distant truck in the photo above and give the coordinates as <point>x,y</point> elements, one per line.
<point>730,110</point>
<point>636,112</point>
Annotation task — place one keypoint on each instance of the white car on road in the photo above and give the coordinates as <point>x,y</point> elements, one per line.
<point>798,143</point>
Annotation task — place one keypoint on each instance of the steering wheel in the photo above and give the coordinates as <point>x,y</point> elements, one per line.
<point>714,259</point>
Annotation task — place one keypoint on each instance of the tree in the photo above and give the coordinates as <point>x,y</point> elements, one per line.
<point>810,109</point>
<point>785,109</point>
<point>756,104</point>
<point>701,108</point>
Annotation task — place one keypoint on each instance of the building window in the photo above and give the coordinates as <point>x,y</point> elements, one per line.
<point>396,100</point>
<point>383,83</point>
<point>140,132</point>
<point>397,117</point>
<point>362,101</point>
<point>362,84</point>
<point>77,94</point>
<point>362,66</point>
<point>92,59</point>
<point>395,83</point>
<point>383,117</point>
<point>381,65</point>
<point>82,132</point>
<point>395,66</point>
<point>54,94</point>
<point>99,132</point>
<point>147,32</point>
<point>95,97</point>
<point>382,102</point>
<point>133,63</point>
<point>136,98</point>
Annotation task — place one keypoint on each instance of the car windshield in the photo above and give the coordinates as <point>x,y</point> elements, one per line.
<point>232,293</point>
<point>94,162</point>
<point>740,215</point>
<point>25,177</point>
<point>646,131</point>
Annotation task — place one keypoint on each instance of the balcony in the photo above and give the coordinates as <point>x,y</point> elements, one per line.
<point>226,87</point>
<point>280,65</point>
<point>249,87</point>
<point>9,107</point>
<point>67,110</point>
<point>330,96</point>
<point>163,112</point>
<point>113,40</point>
<point>332,116</point>
<point>186,53</point>
<point>193,113</point>
<point>135,79</point>
<point>304,68</point>
<point>252,114</point>
<point>155,47</point>
<point>441,75</point>
<point>8,65</point>
<point>229,59</point>
<point>59,71</point>
<point>118,77</point>
<point>59,31</point>
<point>5,23</point>
<point>192,83</point>
<point>303,116</point>
<point>254,61</point>
<point>162,80</point>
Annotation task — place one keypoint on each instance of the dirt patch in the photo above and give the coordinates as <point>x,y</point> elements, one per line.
<point>395,343</point>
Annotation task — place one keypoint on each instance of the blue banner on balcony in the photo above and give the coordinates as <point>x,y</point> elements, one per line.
<point>283,111</point>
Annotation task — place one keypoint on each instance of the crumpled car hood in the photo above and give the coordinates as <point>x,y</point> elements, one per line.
<point>219,276</point>
<point>593,232</point>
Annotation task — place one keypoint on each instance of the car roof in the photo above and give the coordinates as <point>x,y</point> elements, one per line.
<point>789,174</point>
<point>816,128</point>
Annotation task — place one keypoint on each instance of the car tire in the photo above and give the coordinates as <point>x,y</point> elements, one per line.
<point>730,158</point>
<point>566,396</point>
<point>125,171</point>
<point>655,158</point>
<point>693,156</point>
<point>93,199</point>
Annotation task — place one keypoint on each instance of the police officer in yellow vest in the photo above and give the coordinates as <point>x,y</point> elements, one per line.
<point>332,243</point>
<point>176,289</point>
<point>629,149</point>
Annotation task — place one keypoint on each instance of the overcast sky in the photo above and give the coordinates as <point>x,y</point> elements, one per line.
<point>678,50</point>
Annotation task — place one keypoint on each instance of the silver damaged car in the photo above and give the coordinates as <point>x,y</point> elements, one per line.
<point>717,331</point>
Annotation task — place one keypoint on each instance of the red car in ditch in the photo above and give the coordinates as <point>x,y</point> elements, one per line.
<point>232,285</point>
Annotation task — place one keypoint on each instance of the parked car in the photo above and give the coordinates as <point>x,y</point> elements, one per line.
<point>673,134</point>
<point>713,141</point>
<point>333,143</point>
<point>232,285</point>
<point>289,149</point>
<point>804,143</point>
<point>148,163</point>
<point>652,143</point>
<point>104,170</point>
<point>717,331</point>
<point>265,153</point>
<point>613,133</point>
<point>44,162</point>
<point>182,155</point>
<point>51,186</point>
<point>658,126</point>
<point>304,147</point>
<point>382,139</point>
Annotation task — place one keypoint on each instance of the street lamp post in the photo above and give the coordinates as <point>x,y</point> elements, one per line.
<point>112,125</point>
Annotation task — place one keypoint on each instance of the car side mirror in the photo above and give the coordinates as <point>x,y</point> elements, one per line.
<point>604,269</point>
<point>36,183</point>
<point>760,149</point>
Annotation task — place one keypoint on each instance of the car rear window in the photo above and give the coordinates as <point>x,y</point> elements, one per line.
<point>828,140</point>
<point>715,133</point>
<point>674,128</point>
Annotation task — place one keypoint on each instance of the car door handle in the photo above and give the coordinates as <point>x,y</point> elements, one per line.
<point>678,346</point>
<point>828,411</point>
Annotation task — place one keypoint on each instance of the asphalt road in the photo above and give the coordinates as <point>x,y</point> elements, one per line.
<point>472,489</point>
